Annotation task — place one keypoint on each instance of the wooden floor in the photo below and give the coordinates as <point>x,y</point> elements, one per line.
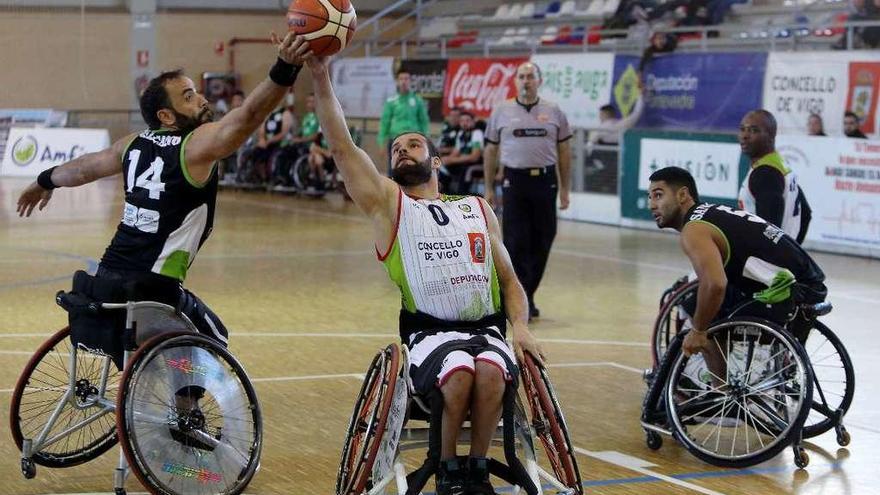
<point>297,283</point>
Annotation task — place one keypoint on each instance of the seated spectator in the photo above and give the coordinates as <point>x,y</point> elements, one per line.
<point>815,126</point>
<point>468,151</point>
<point>321,162</point>
<point>851,124</point>
<point>863,10</point>
<point>660,43</point>
<point>611,126</point>
<point>228,165</point>
<point>285,158</point>
<point>269,138</point>
<point>449,132</point>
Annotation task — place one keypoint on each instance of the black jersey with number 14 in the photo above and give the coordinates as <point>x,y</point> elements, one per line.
<point>167,215</point>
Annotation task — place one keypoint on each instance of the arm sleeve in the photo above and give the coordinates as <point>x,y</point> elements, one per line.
<point>493,132</point>
<point>768,186</point>
<point>424,121</point>
<point>384,125</point>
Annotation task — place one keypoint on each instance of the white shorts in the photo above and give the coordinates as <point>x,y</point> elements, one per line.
<point>457,360</point>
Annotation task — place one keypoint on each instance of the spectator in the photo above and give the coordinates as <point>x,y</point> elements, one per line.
<point>851,124</point>
<point>406,111</point>
<point>468,151</point>
<point>449,133</point>
<point>269,138</point>
<point>228,165</point>
<point>610,126</point>
<point>863,10</point>
<point>815,126</point>
<point>660,43</point>
<point>284,160</point>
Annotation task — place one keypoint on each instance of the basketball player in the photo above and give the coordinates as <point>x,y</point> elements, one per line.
<point>739,258</point>
<point>170,180</point>
<point>446,255</point>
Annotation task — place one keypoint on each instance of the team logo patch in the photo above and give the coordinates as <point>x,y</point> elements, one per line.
<point>478,246</point>
<point>465,208</point>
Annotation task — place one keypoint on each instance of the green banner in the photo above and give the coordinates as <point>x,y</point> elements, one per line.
<point>715,160</point>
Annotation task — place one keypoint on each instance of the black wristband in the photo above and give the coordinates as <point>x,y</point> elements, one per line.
<point>44,180</point>
<point>284,74</point>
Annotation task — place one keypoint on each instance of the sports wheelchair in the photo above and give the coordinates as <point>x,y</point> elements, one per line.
<point>388,420</point>
<point>182,408</point>
<point>805,388</point>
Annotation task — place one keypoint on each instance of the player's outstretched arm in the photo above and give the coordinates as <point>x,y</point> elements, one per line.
<point>217,140</point>
<point>372,192</point>
<point>515,302</point>
<point>81,170</point>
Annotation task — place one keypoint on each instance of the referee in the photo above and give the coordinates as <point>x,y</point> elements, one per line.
<point>533,135</point>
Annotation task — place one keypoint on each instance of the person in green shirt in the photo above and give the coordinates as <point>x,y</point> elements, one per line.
<point>406,111</point>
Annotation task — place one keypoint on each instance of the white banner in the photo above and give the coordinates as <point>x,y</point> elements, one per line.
<point>363,84</point>
<point>579,82</point>
<point>797,84</point>
<point>30,151</point>
<point>715,166</point>
<point>841,180</point>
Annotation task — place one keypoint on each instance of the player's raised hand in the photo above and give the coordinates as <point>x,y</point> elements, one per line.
<point>293,48</point>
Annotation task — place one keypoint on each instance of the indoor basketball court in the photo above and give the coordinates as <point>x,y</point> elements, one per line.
<point>293,271</point>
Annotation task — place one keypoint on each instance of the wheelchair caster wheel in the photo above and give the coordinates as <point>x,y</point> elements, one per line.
<point>28,468</point>
<point>654,440</point>
<point>843,437</point>
<point>801,458</point>
<point>119,491</point>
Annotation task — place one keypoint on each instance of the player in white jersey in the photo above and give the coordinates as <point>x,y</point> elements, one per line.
<point>770,189</point>
<point>446,255</point>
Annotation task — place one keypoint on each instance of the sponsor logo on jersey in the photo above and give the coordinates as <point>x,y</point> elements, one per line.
<point>465,207</point>
<point>530,132</point>
<point>700,211</point>
<point>477,241</point>
<point>773,233</point>
<point>161,140</point>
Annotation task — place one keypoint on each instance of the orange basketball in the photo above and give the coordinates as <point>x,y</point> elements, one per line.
<point>328,24</point>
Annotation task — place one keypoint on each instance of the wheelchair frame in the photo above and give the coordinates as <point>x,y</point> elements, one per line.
<point>514,432</point>
<point>133,338</point>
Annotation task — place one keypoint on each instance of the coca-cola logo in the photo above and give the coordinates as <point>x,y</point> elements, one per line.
<point>479,91</point>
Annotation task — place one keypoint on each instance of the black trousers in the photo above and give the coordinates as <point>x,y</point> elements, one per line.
<point>529,222</point>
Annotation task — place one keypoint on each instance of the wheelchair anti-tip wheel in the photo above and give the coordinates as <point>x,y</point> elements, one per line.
<point>368,422</point>
<point>84,427</point>
<point>833,383</point>
<point>188,417</point>
<point>549,424</point>
<point>670,320</point>
<point>755,408</point>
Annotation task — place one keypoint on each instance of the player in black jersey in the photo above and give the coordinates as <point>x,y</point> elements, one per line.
<point>170,181</point>
<point>738,257</point>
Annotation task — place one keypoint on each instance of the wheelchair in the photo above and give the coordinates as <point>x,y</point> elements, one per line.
<point>388,419</point>
<point>182,408</point>
<point>826,398</point>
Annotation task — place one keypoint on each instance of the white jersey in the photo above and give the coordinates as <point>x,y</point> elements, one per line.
<point>441,258</point>
<point>791,217</point>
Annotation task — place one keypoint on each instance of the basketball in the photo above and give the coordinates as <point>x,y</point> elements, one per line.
<point>328,24</point>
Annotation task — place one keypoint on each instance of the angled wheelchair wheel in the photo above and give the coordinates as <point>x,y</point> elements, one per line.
<point>749,411</point>
<point>549,424</point>
<point>84,426</point>
<point>833,380</point>
<point>368,422</point>
<point>670,319</point>
<point>299,172</point>
<point>188,417</point>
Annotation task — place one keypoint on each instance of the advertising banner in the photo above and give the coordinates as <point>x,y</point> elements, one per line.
<point>579,83</point>
<point>800,83</point>
<point>30,151</point>
<point>692,90</point>
<point>363,84</point>
<point>714,160</point>
<point>841,180</point>
<point>428,77</point>
<point>476,84</point>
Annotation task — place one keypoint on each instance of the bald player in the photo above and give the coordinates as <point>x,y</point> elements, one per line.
<point>770,189</point>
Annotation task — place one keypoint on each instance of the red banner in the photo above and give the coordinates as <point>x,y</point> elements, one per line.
<point>475,84</point>
<point>864,83</point>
